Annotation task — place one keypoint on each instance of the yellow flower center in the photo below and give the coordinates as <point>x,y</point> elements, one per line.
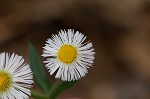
<point>67,54</point>
<point>5,81</point>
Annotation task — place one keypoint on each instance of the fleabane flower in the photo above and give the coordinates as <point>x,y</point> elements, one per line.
<point>15,77</point>
<point>68,55</point>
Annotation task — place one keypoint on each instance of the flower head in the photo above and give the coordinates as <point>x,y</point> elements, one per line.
<point>68,55</point>
<point>15,77</point>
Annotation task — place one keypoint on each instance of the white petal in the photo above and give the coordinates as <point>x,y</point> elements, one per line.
<point>76,69</point>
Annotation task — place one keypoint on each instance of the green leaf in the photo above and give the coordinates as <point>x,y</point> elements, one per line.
<point>66,85</point>
<point>60,87</point>
<point>37,95</point>
<point>39,75</point>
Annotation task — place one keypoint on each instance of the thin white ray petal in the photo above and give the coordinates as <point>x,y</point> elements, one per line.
<point>21,76</point>
<point>76,69</point>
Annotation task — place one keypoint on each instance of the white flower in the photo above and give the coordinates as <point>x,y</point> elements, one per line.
<point>15,77</point>
<point>68,55</point>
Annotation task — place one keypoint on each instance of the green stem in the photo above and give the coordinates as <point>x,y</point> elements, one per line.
<point>37,95</point>
<point>53,92</point>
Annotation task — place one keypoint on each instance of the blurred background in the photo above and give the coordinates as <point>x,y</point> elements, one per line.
<point>119,30</point>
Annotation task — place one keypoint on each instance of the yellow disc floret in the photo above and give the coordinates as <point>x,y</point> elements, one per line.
<point>5,81</point>
<point>67,54</point>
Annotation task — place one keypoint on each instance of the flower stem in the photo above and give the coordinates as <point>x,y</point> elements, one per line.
<point>53,92</point>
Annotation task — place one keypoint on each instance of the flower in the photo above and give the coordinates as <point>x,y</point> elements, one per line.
<point>68,55</point>
<point>15,77</point>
